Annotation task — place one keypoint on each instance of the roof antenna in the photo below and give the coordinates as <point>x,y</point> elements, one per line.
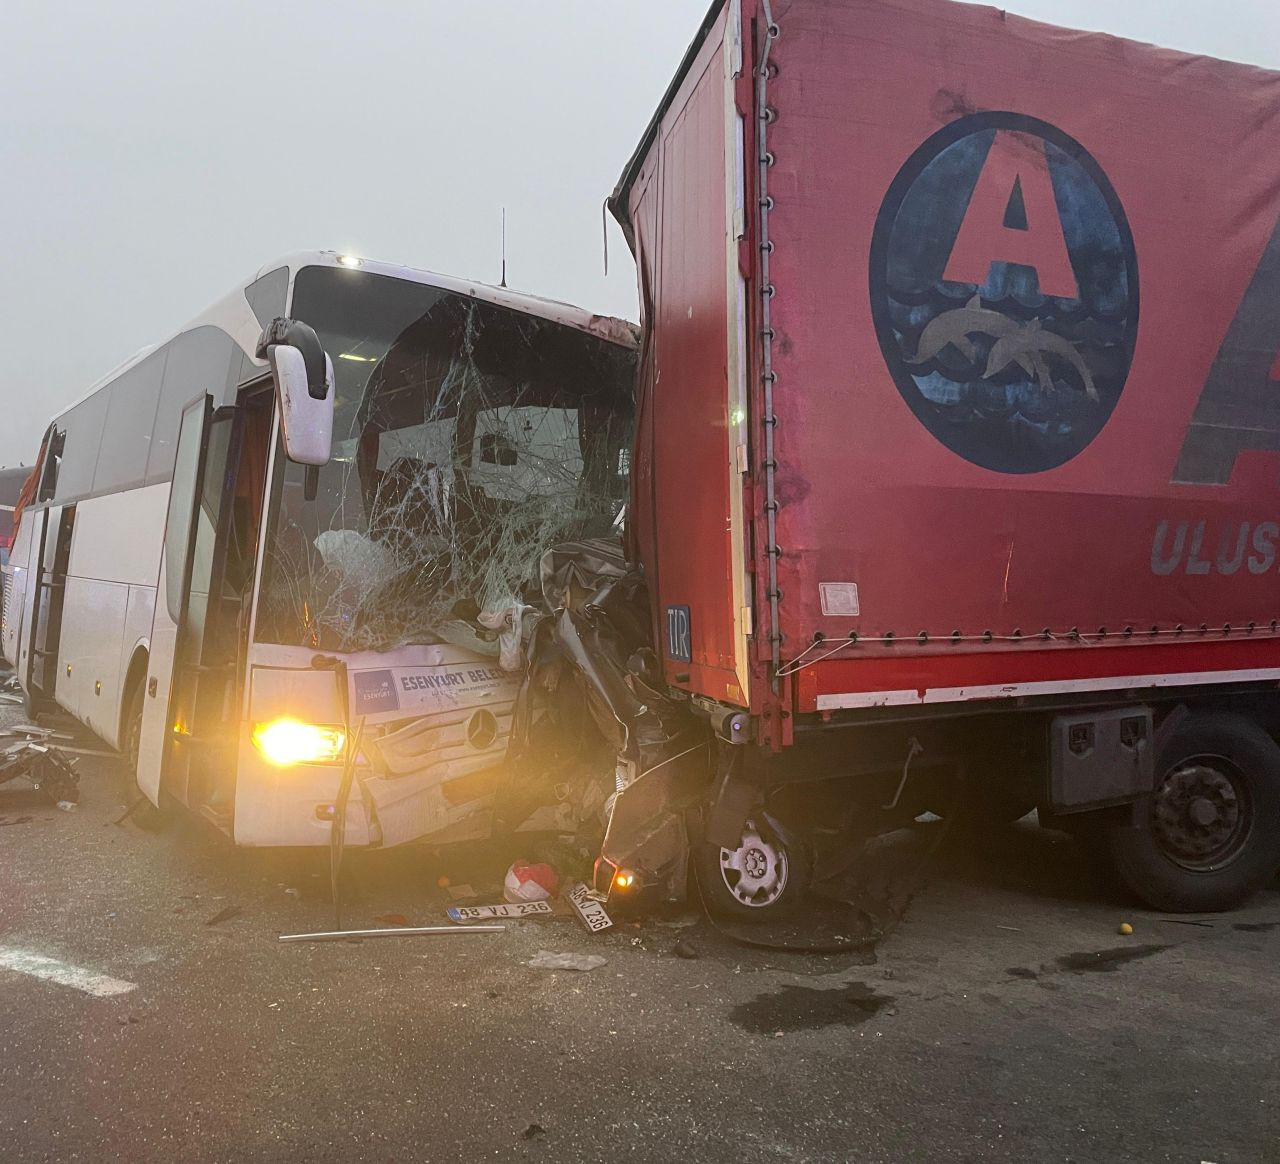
<point>604,231</point>
<point>504,248</point>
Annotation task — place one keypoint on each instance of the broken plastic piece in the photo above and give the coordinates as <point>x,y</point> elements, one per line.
<point>526,882</point>
<point>546,960</point>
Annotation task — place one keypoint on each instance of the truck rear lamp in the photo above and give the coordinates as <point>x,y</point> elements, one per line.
<point>285,742</point>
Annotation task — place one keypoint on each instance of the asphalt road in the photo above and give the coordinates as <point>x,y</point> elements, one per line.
<point>1004,1020</point>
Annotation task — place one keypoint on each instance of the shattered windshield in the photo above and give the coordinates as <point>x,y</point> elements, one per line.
<point>468,438</point>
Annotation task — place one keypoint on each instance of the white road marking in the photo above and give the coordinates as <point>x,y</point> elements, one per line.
<point>51,970</point>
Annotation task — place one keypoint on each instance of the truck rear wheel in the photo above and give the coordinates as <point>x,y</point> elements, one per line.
<point>761,879</point>
<point>1211,833</point>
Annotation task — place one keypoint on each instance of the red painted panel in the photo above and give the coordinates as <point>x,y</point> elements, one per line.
<point>957,502</point>
<point>922,673</point>
<point>1026,344</point>
<point>681,506</point>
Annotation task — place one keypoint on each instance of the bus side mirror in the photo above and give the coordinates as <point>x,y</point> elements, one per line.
<point>305,390</point>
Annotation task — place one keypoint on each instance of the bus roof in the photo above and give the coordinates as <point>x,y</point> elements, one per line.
<point>233,314</point>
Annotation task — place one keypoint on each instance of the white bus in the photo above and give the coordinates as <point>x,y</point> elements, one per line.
<point>229,617</point>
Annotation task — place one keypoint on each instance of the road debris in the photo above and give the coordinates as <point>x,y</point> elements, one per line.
<point>546,960</point>
<point>526,882</point>
<point>470,913</point>
<point>683,949</point>
<point>1125,929</point>
<point>140,802</point>
<point>44,767</point>
<point>590,911</point>
<point>225,914</point>
<point>10,690</point>
<point>400,932</point>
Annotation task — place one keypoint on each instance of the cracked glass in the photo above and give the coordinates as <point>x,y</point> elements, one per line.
<point>468,438</point>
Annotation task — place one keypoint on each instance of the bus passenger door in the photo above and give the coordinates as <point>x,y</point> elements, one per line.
<point>190,529</point>
<point>48,581</point>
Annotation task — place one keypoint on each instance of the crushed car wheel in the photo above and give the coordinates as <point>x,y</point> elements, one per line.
<point>1210,833</point>
<point>759,880</point>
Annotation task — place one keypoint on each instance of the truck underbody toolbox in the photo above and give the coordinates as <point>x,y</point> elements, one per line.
<point>1100,759</point>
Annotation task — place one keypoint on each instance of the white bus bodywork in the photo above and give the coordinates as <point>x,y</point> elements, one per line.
<point>84,627</point>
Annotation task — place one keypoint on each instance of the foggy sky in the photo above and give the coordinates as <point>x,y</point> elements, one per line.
<point>154,153</point>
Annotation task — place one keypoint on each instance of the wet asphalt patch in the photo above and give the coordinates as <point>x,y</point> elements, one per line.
<point>1106,961</point>
<point>1089,962</point>
<point>806,1008</point>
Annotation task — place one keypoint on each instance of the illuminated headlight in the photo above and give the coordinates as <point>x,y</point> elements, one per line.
<point>285,742</point>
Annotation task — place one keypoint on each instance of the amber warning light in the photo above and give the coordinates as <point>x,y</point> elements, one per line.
<point>285,742</point>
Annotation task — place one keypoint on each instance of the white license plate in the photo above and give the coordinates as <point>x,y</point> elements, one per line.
<point>590,912</point>
<point>469,913</point>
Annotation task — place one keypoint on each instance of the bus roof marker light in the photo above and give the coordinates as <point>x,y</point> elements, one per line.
<point>350,261</point>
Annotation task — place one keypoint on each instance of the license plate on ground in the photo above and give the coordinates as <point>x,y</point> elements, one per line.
<point>468,913</point>
<point>590,912</point>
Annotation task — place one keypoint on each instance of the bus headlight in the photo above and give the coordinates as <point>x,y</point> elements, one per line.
<point>284,742</point>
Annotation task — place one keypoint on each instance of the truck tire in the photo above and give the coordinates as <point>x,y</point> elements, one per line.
<point>1210,833</point>
<point>763,879</point>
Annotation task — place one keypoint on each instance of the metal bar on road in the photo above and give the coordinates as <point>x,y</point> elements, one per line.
<point>396,932</point>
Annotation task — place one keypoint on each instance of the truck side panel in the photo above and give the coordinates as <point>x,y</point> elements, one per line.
<point>1028,393</point>
<point>682,506</point>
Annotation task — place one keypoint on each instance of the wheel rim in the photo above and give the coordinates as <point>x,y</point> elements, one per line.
<point>1202,815</point>
<point>755,873</point>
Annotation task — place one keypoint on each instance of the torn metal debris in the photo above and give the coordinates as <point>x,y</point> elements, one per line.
<point>398,932</point>
<point>43,766</point>
<point>593,677</point>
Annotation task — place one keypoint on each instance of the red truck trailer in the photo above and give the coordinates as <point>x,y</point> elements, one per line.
<point>957,419</point>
